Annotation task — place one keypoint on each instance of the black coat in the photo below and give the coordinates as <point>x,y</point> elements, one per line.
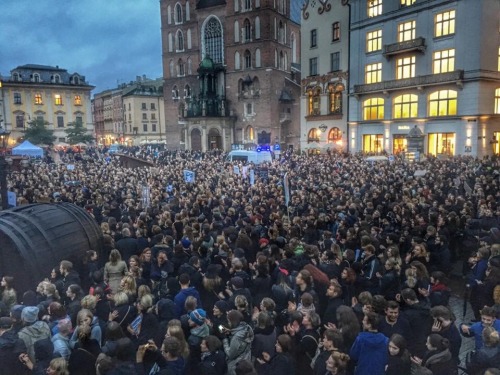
<point>214,363</point>
<point>280,364</point>
<point>11,346</point>
<point>398,365</point>
<point>418,315</point>
<point>330,315</point>
<point>127,246</point>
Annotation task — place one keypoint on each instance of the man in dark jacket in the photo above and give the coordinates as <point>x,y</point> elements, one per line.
<point>186,290</point>
<point>11,347</point>
<point>418,315</point>
<point>334,295</point>
<point>127,245</point>
<point>371,266</point>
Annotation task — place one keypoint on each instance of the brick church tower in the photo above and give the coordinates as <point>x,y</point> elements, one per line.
<point>232,73</point>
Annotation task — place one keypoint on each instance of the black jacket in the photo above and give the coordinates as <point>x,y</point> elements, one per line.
<point>418,315</point>
<point>11,346</point>
<point>213,363</point>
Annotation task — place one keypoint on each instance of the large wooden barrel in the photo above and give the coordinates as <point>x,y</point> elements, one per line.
<point>36,237</point>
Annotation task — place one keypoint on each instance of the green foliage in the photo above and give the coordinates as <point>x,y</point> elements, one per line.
<point>38,133</point>
<point>77,133</point>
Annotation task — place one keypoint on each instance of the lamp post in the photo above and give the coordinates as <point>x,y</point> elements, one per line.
<point>4,139</point>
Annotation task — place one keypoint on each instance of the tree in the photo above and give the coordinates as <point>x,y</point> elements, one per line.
<point>77,133</point>
<point>38,133</point>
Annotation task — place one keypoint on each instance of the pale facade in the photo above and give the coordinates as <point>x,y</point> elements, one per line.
<point>430,64</point>
<point>324,63</point>
<point>48,93</point>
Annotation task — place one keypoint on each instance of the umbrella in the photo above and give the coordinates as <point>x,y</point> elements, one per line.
<point>81,144</point>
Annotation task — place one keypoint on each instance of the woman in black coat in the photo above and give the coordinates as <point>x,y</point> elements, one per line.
<point>399,356</point>
<point>282,363</point>
<point>389,283</point>
<point>438,358</point>
<point>213,358</point>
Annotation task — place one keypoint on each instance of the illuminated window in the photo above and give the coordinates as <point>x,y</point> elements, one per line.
<point>335,99</point>
<point>78,100</point>
<point>441,143</point>
<point>406,106</point>
<point>405,67</point>
<point>373,143</point>
<point>335,31</point>
<point>374,41</point>
<point>374,8</point>
<point>373,73</point>
<point>314,100</point>
<point>497,101</point>
<point>443,103</point>
<point>313,135</point>
<point>406,31</point>
<point>444,61</point>
<point>334,135</point>
<point>58,99</point>
<point>444,23</point>
<point>38,99</point>
<point>373,109</point>
<point>407,3</point>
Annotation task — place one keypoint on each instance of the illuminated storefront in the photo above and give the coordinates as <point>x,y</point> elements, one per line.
<point>399,144</point>
<point>441,144</point>
<point>373,143</point>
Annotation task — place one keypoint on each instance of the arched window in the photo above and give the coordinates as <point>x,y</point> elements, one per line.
<point>257,3</point>
<point>178,13</point>
<point>281,32</point>
<point>257,58</point>
<point>237,62</point>
<point>175,92</point>
<point>75,80</point>
<point>213,40</point>
<point>334,135</point>
<point>171,68</point>
<point>16,77</point>
<point>188,11</point>
<point>190,65</point>
<point>282,61</point>
<point>249,133</point>
<point>405,106</point>
<point>247,4</point>
<point>373,109</point>
<point>275,58</point>
<point>443,103</point>
<point>180,68</point>
<point>169,14</point>
<point>313,135</point>
<point>497,101</point>
<point>237,6</point>
<point>314,101</point>
<point>257,27</point>
<point>36,77</point>
<point>294,47</point>
<point>180,41</point>
<point>189,39</point>
<point>247,33</point>
<point>248,59</point>
<point>170,42</point>
<point>187,91</point>
<point>236,31</point>
<point>335,99</point>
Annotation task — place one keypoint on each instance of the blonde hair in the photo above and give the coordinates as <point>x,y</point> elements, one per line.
<point>89,302</point>
<point>120,298</point>
<point>60,366</point>
<point>174,329</point>
<point>84,313</point>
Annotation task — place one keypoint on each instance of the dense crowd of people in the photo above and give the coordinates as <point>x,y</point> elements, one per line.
<point>342,269</point>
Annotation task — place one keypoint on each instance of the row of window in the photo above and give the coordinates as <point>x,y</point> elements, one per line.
<point>442,62</point>
<point>374,7</point>
<point>440,103</point>
<point>444,24</point>
<point>181,68</point>
<point>335,35</point>
<point>334,64</point>
<point>35,77</point>
<point>334,100</point>
<point>58,100</point>
<point>20,120</point>
<point>175,92</point>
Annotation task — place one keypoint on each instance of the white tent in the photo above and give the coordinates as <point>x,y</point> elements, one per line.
<point>27,149</point>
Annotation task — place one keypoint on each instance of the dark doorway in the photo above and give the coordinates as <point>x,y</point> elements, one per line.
<point>264,138</point>
<point>196,140</point>
<point>214,139</point>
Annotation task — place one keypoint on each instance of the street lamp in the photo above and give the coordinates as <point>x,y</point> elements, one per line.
<point>4,141</point>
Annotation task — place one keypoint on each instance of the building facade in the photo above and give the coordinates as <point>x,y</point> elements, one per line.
<point>427,65</point>
<point>325,65</point>
<point>48,93</point>
<point>229,77</point>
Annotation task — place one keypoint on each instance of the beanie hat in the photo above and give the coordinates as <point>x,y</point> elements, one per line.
<point>15,312</point>
<point>5,322</point>
<point>185,243</point>
<point>30,314</point>
<point>223,306</point>
<point>237,282</point>
<point>198,316</point>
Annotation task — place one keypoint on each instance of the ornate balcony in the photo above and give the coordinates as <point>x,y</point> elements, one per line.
<point>419,82</point>
<point>417,44</point>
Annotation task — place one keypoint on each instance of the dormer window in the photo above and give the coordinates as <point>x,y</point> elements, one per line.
<point>35,78</point>
<point>16,77</point>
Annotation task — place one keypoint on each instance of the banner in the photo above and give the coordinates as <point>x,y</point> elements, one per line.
<point>286,185</point>
<point>145,196</point>
<point>11,199</point>
<point>236,170</point>
<point>252,177</point>
<point>189,176</point>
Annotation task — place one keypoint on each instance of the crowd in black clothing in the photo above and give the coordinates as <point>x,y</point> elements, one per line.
<point>347,275</point>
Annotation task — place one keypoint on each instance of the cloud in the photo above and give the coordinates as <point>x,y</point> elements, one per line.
<point>107,41</point>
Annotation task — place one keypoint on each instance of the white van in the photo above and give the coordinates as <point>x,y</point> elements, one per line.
<point>256,157</point>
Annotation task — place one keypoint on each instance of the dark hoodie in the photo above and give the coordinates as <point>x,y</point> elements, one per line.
<point>369,351</point>
<point>418,315</point>
<point>11,346</point>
